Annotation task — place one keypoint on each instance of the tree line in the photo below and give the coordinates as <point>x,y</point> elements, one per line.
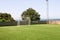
<point>30,12</point>
<point>5,17</point>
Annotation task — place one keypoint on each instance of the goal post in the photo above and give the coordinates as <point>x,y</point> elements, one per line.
<point>29,20</point>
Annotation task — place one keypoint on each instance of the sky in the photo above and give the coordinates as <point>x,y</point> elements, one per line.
<point>16,7</point>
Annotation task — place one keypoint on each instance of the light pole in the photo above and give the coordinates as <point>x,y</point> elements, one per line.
<point>47,11</point>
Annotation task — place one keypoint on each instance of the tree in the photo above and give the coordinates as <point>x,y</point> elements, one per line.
<point>32,14</point>
<point>5,17</point>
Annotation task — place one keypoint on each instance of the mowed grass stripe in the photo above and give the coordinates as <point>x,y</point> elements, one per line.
<point>30,32</point>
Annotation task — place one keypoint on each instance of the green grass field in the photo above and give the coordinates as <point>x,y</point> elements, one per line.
<point>30,32</point>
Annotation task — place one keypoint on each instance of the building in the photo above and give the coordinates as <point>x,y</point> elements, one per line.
<point>54,21</point>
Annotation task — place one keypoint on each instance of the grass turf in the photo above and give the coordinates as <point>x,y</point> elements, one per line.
<point>30,32</point>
